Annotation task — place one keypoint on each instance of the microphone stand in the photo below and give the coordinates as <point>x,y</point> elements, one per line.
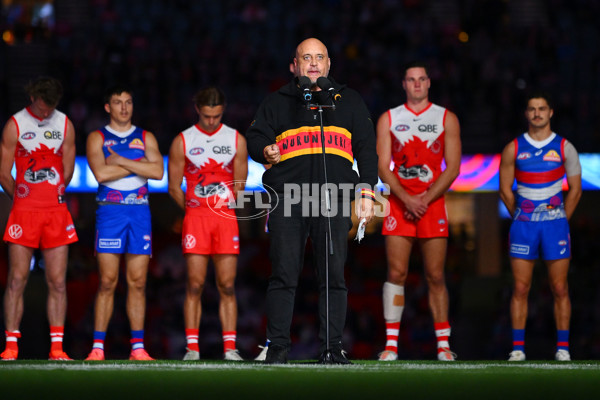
<point>327,357</point>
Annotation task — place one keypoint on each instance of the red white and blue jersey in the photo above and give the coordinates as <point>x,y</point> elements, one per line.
<point>539,171</point>
<point>132,189</point>
<point>208,168</point>
<point>417,145</point>
<point>39,181</point>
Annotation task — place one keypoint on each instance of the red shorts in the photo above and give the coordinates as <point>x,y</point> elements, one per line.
<point>433,224</point>
<point>210,235</point>
<point>40,229</point>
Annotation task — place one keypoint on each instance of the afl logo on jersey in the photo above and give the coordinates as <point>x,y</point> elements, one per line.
<point>110,142</point>
<point>28,136</point>
<point>523,156</point>
<point>402,128</point>
<point>196,151</point>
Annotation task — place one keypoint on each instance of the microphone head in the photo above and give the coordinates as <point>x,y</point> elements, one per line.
<point>324,83</point>
<point>304,82</point>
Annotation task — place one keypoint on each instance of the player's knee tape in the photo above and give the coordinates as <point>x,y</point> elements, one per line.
<point>393,302</point>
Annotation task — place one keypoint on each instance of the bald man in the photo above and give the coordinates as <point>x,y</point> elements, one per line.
<point>311,192</point>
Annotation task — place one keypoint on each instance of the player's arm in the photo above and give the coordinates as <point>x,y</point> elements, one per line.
<point>452,156</point>
<point>68,149</point>
<point>507,177</point>
<point>573,169</point>
<point>414,204</point>
<point>150,167</point>
<point>573,195</point>
<point>7,157</point>
<point>176,167</point>
<point>97,162</point>
<point>240,164</point>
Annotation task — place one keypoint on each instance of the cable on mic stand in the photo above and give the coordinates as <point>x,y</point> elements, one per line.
<point>324,83</point>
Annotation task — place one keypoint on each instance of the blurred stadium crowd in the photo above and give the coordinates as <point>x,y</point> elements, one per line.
<point>484,55</point>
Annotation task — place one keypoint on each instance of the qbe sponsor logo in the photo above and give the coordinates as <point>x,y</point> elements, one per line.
<point>109,243</point>
<point>519,249</point>
<point>53,135</point>
<point>429,128</point>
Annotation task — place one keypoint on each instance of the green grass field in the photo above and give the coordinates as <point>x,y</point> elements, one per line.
<point>404,380</point>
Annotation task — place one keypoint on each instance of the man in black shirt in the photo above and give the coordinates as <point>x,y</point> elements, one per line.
<point>286,134</point>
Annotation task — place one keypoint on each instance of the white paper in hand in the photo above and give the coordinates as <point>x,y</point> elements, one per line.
<point>360,232</point>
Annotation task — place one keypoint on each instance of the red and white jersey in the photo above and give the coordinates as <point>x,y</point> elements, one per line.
<point>38,159</point>
<point>208,167</point>
<point>417,145</point>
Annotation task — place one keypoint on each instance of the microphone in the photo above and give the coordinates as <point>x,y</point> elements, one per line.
<point>305,84</point>
<point>325,84</point>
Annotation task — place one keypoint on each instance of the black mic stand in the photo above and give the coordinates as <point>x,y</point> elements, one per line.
<point>327,356</point>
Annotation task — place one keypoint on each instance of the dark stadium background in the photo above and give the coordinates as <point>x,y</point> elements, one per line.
<point>484,56</point>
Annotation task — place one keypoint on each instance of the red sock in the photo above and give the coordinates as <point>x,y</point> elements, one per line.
<point>12,340</point>
<point>442,332</point>
<point>56,338</point>
<point>229,341</point>
<point>392,330</point>
<point>191,336</point>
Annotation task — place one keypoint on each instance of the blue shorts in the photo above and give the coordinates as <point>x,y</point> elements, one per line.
<point>552,237</point>
<point>123,229</point>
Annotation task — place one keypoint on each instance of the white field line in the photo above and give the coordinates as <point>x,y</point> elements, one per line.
<point>356,367</point>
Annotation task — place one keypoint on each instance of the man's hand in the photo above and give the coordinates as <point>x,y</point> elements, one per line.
<point>114,157</point>
<point>272,154</point>
<point>416,207</point>
<point>364,209</point>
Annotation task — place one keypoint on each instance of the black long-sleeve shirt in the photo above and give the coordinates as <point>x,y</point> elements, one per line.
<point>284,119</point>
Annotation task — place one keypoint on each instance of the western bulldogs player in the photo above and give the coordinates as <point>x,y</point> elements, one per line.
<point>122,157</point>
<point>539,160</point>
